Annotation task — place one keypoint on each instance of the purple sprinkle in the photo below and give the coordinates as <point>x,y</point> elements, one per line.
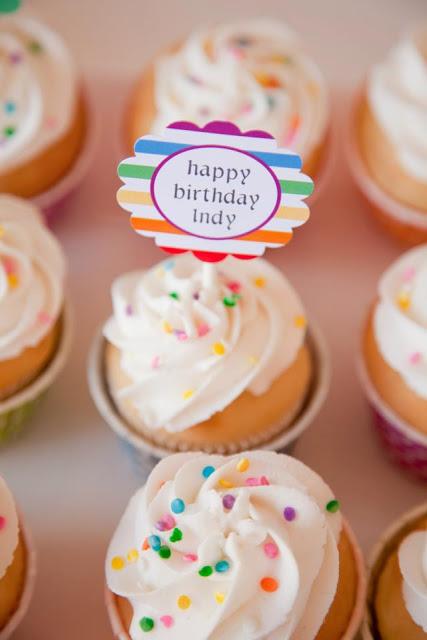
<point>228,501</point>
<point>15,57</point>
<point>196,296</point>
<point>289,514</point>
<point>129,310</point>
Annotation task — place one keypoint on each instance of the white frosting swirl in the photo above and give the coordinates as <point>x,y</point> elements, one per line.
<point>38,89</point>
<point>413,565</point>
<point>32,271</point>
<point>253,73</point>
<point>269,521</point>
<point>397,93</point>
<point>400,319</point>
<point>190,355</point>
<point>8,528</point>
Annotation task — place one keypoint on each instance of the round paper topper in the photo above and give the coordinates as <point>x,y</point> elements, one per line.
<point>214,191</point>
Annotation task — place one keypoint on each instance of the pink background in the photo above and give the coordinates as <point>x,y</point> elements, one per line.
<point>68,472</point>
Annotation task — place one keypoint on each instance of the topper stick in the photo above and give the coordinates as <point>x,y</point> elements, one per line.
<point>209,272</point>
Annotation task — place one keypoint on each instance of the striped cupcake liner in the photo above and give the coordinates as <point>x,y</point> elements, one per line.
<point>16,411</point>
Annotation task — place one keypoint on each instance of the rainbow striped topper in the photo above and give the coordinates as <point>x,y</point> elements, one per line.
<point>214,191</point>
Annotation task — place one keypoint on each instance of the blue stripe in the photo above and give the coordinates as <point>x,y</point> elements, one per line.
<point>158,147</point>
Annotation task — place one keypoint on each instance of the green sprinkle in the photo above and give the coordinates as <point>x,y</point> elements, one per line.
<point>35,47</point>
<point>176,535</point>
<point>174,295</point>
<point>146,624</point>
<point>165,552</point>
<point>9,131</point>
<point>230,301</point>
<point>206,571</point>
<point>333,506</point>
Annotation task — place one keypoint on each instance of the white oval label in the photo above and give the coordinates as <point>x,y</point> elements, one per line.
<point>215,192</point>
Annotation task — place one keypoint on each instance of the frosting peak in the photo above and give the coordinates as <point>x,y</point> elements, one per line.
<point>220,548</point>
<point>8,528</point>
<point>413,565</point>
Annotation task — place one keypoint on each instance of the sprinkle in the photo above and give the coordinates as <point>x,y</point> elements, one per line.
<point>13,280</point>
<point>129,310</point>
<point>415,357</point>
<point>167,621</point>
<point>267,80</point>
<point>403,301</point>
<point>44,318</point>
<point>289,514</point>
<point>50,122</point>
<point>181,335</point>
<point>154,542</point>
<point>218,349</point>
<point>174,295</point>
<point>145,545</point>
<point>269,584</point>
<point>259,282</point>
<point>237,53</point>
<point>243,41</point>
<point>177,505</point>
<point>226,484</point>
<point>166,523</point>
<point>190,557</point>
<point>229,302</point>
<point>146,624</point>
<point>247,108</point>
<point>194,79</point>
<point>408,274</point>
<point>300,322</point>
<point>204,111</point>
<point>8,265</point>
<point>271,102</point>
<point>188,393</point>
<point>167,328</point>
<point>2,522</point>
<point>202,330</point>
<point>15,57</point>
<point>234,286</point>
<point>333,506</point>
<point>206,571</point>
<point>242,465</point>
<point>252,360</point>
<point>165,552</point>
<point>133,555</point>
<point>219,597</point>
<point>222,566</point>
<point>281,59</point>
<point>35,47</point>
<point>176,535</point>
<point>228,501</point>
<point>208,471</point>
<point>155,363</point>
<point>2,231</point>
<point>117,563</point>
<point>9,106</point>
<point>256,482</point>
<point>9,131</point>
<point>196,295</point>
<point>271,550</point>
<point>169,265</point>
<point>184,602</point>
<point>294,125</point>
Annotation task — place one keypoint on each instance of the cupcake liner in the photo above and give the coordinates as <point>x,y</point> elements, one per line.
<point>16,410</point>
<point>403,444</point>
<point>28,590</point>
<point>376,562</point>
<point>51,201</point>
<point>407,224</point>
<point>140,445</point>
<point>120,633</point>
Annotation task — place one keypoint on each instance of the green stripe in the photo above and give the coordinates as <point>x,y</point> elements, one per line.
<point>297,188</point>
<point>135,171</point>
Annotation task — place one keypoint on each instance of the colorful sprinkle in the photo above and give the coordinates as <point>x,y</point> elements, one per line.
<point>165,552</point>
<point>15,57</point>
<point>194,79</point>
<point>202,330</point>
<point>133,555</point>
<point>181,335</point>
<point>219,597</point>
<point>270,585</point>
<point>188,393</point>
<point>204,111</point>
<point>271,102</point>
<point>409,274</point>
<point>167,327</point>
<point>155,363</point>
<point>222,566</point>
<point>146,624</point>
<point>228,501</point>
<point>225,484</point>
<point>50,122</point>
<point>259,282</point>
<point>9,131</point>
<point>403,301</point>
<point>253,360</point>
<point>35,47</point>
<point>9,106</point>
<point>154,542</point>
<point>2,522</point>
<point>230,301</point>
<point>257,482</point>
<point>333,506</point>
<point>294,125</point>
<point>176,535</point>
<point>8,265</point>
<point>145,545</point>
<point>167,621</point>
<point>184,602</point>
<point>190,557</point>
<point>2,231</point>
<point>169,265</point>
<point>218,349</point>
<point>415,358</point>
<point>129,310</point>
<point>300,322</point>
<point>289,514</point>
<point>243,41</point>
<point>13,280</point>
<point>234,286</point>
<point>242,465</point>
<point>177,505</point>
<point>267,80</point>
<point>196,295</point>
<point>44,317</point>
<point>174,295</point>
<point>206,571</point>
<point>208,471</point>
<point>117,563</point>
<point>166,523</point>
<point>271,550</point>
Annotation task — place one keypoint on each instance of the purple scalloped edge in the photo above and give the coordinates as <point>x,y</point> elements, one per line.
<point>219,126</point>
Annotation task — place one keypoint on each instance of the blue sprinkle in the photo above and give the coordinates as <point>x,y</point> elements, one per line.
<point>154,542</point>
<point>208,471</point>
<point>222,566</point>
<point>9,106</point>
<point>177,505</point>
<point>169,265</point>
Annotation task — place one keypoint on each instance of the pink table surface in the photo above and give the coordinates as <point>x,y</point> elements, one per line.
<point>68,473</point>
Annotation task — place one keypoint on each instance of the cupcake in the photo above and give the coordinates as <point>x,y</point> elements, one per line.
<point>254,73</point>
<point>248,547</point>
<point>43,114</point>
<point>397,594</point>
<point>211,359</point>
<point>16,564</point>
<point>395,358</point>
<point>391,137</point>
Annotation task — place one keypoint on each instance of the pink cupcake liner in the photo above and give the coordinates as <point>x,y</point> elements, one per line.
<point>51,201</point>
<point>403,444</point>
<point>27,593</point>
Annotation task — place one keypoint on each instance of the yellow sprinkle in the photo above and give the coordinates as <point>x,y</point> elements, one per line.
<point>403,301</point>
<point>252,360</point>
<point>2,231</point>
<point>183,602</point>
<point>259,282</point>
<point>218,349</point>
<point>226,484</point>
<point>219,597</point>
<point>117,563</point>
<point>300,322</point>
<point>188,393</point>
<point>167,327</point>
<point>242,465</point>
<point>133,555</point>
<point>13,280</point>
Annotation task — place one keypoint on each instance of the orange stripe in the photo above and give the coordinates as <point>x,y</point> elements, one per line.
<point>163,226</point>
<point>280,237</point>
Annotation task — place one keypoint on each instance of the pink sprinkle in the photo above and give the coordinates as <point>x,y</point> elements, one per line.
<point>257,482</point>
<point>8,265</point>
<point>264,481</point>
<point>155,363</point>
<point>408,274</point>
<point>181,335</point>
<point>415,357</point>
<point>166,523</point>
<point>44,317</point>
<point>2,522</point>
<point>247,108</point>
<point>234,286</point>
<point>202,330</point>
<point>237,52</point>
<point>50,122</point>
<point>190,557</point>
<point>129,310</point>
<point>167,621</point>
<point>271,550</point>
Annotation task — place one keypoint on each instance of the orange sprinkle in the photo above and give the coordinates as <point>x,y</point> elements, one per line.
<point>300,322</point>
<point>269,584</point>
<point>259,282</point>
<point>403,301</point>
<point>13,280</point>
<point>226,484</point>
<point>167,327</point>
<point>145,545</point>
<point>117,563</point>
<point>267,80</point>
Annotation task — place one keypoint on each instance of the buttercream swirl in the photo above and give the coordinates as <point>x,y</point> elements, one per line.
<point>400,318</point>
<point>8,528</point>
<point>253,549</point>
<point>413,565</point>
<point>253,73</point>
<point>192,338</point>
<point>397,93</point>
<point>38,89</point>
<point>32,272</point>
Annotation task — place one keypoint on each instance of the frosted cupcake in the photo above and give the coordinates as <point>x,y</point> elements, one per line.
<point>391,132</point>
<point>15,563</point>
<point>217,362</point>
<point>251,547</point>
<point>254,73</point>
<point>395,356</point>
<point>397,598</point>
<point>43,115</point>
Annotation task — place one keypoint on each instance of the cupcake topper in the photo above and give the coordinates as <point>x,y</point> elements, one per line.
<point>9,6</point>
<point>214,191</point>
